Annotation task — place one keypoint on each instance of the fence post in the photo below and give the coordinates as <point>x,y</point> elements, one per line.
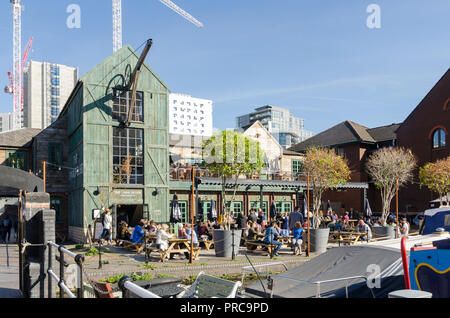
<point>99,254</point>
<point>121,284</point>
<point>61,271</point>
<point>50,264</point>
<point>79,259</point>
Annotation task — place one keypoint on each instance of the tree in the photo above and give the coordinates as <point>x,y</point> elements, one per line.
<point>387,166</point>
<point>326,171</point>
<point>436,176</point>
<point>229,153</point>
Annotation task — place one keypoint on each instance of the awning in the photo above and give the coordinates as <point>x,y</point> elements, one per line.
<point>276,183</point>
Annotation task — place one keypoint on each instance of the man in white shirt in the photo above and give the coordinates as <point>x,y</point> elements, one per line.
<point>107,226</point>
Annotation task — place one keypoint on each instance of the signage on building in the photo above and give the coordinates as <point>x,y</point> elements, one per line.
<point>127,196</point>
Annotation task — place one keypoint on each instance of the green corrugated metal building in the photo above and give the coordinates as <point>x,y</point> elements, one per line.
<point>113,166</point>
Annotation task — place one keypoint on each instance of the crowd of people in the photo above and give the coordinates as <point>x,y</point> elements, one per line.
<point>255,227</point>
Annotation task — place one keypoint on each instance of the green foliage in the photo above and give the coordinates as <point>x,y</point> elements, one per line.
<point>92,252</point>
<point>149,266</point>
<point>162,275</point>
<point>436,176</point>
<point>230,153</point>
<point>79,246</point>
<point>113,279</point>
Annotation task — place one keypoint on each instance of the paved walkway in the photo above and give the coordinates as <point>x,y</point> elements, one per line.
<point>9,271</point>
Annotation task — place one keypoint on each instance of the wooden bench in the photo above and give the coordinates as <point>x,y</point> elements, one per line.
<point>134,246</point>
<point>207,286</point>
<point>260,244</point>
<point>207,243</point>
<point>168,253</point>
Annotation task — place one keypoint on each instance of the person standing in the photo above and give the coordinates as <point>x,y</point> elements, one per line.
<point>241,221</point>
<point>107,226</point>
<point>8,225</point>
<point>297,239</point>
<point>252,216</point>
<point>261,216</point>
<point>295,217</point>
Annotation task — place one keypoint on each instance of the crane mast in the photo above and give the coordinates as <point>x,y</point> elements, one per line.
<point>117,24</point>
<point>17,65</point>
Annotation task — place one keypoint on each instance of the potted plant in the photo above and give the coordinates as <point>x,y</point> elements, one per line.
<point>326,170</point>
<point>389,168</point>
<point>230,154</point>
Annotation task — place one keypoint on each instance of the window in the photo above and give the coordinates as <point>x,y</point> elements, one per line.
<point>55,91</point>
<point>54,70</point>
<point>56,204</point>
<point>55,101</point>
<point>55,151</point>
<point>55,81</point>
<point>235,207</point>
<point>439,138</point>
<point>297,166</point>
<point>17,159</point>
<point>121,105</point>
<point>257,204</point>
<point>128,158</point>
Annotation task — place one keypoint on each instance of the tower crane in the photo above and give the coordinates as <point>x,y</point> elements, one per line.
<point>17,67</point>
<point>10,89</point>
<point>117,19</point>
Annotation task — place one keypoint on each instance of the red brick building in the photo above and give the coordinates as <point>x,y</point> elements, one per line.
<point>355,143</point>
<point>426,132</point>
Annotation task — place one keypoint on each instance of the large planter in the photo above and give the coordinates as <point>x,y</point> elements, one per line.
<point>383,231</point>
<point>319,240</point>
<point>223,242</point>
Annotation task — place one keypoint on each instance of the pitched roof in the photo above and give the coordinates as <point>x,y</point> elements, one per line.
<point>384,133</point>
<point>20,138</point>
<point>348,132</point>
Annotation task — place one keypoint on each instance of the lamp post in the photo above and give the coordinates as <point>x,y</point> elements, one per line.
<point>191,260</point>
<point>307,209</point>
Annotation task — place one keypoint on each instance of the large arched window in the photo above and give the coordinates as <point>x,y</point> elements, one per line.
<point>439,138</point>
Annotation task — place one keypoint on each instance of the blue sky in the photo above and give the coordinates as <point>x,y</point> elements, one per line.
<point>315,57</point>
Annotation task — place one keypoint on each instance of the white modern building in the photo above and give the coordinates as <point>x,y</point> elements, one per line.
<point>189,115</point>
<point>6,122</point>
<point>287,129</point>
<point>46,86</point>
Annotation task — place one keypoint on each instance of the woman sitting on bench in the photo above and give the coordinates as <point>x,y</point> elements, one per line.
<point>162,238</point>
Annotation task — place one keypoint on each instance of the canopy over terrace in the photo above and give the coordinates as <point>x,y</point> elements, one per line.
<point>296,186</point>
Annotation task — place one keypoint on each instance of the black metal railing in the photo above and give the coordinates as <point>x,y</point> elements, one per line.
<point>78,258</point>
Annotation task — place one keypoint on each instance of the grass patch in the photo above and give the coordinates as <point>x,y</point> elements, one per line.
<point>79,246</point>
<point>162,275</point>
<point>135,276</point>
<point>149,266</point>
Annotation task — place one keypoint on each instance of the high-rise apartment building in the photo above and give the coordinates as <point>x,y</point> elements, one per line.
<point>189,115</point>
<point>286,128</point>
<point>6,122</point>
<point>47,86</point>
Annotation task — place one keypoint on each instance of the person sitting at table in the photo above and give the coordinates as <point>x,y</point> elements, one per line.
<point>271,235</point>
<point>123,232</point>
<point>297,239</point>
<point>339,226</point>
<point>332,225</point>
<point>346,217</point>
<point>138,233</point>
<point>187,235</point>
<point>162,237</point>
<point>364,228</point>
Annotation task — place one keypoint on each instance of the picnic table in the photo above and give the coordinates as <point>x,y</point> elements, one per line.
<point>207,242</point>
<point>348,238</point>
<point>286,240</point>
<point>176,246</point>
